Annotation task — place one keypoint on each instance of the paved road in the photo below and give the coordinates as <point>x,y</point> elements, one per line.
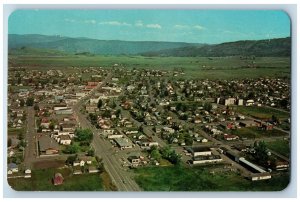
<point>122,179</point>
<point>30,149</point>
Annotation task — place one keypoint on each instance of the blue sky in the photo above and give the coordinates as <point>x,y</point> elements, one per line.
<point>197,26</point>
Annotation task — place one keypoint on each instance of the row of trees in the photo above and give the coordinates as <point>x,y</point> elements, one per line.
<point>166,153</point>
<point>84,137</point>
<point>29,102</point>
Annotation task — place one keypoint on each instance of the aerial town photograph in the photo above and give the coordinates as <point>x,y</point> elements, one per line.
<point>148,100</point>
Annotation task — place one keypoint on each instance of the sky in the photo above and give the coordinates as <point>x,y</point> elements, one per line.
<point>193,26</point>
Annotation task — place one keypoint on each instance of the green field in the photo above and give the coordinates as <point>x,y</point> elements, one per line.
<point>41,180</point>
<point>254,132</point>
<point>199,179</point>
<point>262,112</point>
<point>15,131</point>
<point>194,67</point>
<point>280,146</point>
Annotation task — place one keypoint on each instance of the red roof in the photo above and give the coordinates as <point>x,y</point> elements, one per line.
<point>45,120</point>
<point>58,179</point>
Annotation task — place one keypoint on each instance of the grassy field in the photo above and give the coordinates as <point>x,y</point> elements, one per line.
<point>15,131</point>
<point>280,146</point>
<point>194,67</point>
<point>41,180</point>
<point>199,179</point>
<point>254,132</point>
<point>262,112</point>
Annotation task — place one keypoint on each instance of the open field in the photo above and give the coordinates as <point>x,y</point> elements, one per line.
<point>48,164</point>
<point>15,131</point>
<point>41,180</point>
<point>254,132</point>
<point>280,146</point>
<point>194,67</point>
<point>179,179</point>
<point>262,112</point>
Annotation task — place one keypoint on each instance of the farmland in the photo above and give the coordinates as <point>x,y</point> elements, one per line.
<point>41,180</point>
<point>178,178</point>
<point>194,67</point>
<point>263,112</point>
<point>280,146</point>
<point>254,132</point>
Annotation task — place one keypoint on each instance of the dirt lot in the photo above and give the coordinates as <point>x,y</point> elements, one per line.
<point>48,164</point>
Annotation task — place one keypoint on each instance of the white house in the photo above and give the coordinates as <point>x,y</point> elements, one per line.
<point>65,139</point>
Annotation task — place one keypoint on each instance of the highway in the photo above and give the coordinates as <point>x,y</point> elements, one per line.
<point>121,178</point>
<point>30,149</point>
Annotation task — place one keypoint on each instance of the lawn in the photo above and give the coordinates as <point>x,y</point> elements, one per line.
<point>41,180</point>
<point>262,112</point>
<point>179,178</point>
<point>254,132</point>
<point>15,131</point>
<point>194,67</point>
<point>280,146</point>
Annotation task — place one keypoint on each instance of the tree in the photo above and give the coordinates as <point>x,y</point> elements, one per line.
<point>188,140</point>
<point>70,160</point>
<point>72,149</point>
<point>9,142</point>
<point>84,135</point>
<point>93,118</point>
<point>275,119</point>
<point>30,101</point>
<point>155,154</point>
<point>91,152</point>
<point>22,102</point>
<point>207,106</point>
<point>261,152</point>
<point>118,112</point>
<point>100,103</point>
<point>36,107</point>
<point>51,126</point>
<point>113,104</point>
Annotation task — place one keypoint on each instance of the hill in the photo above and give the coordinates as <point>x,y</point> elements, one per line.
<point>280,47</point>
<point>92,46</point>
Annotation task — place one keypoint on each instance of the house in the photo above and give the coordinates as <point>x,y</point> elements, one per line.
<point>27,171</point>
<point>12,168</point>
<point>45,123</point>
<point>65,139</point>
<point>68,127</point>
<point>58,179</point>
<point>199,151</point>
<point>207,159</point>
<point>79,163</point>
<point>281,165</point>
<point>267,126</point>
<point>229,101</point>
<point>260,176</point>
<point>86,159</point>
<point>230,137</point>
<point>123,143</point>
<point>148,145</point>
<point>135,160</point>
<point>47,146</point>
<point>108,132</point>
<point>247,123</point>
<point>91,108</point>
<point>240,102</point>
<point>77,170</point>
<point>93,169</point>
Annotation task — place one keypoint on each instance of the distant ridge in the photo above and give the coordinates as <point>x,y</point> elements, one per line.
<point>32,43</point>
<point>93,46</point>
<point>280,47</point>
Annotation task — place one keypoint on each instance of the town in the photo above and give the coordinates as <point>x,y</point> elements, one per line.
<point>117,121</point>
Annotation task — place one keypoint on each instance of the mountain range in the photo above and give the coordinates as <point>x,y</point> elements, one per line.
<point>18,44</point>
